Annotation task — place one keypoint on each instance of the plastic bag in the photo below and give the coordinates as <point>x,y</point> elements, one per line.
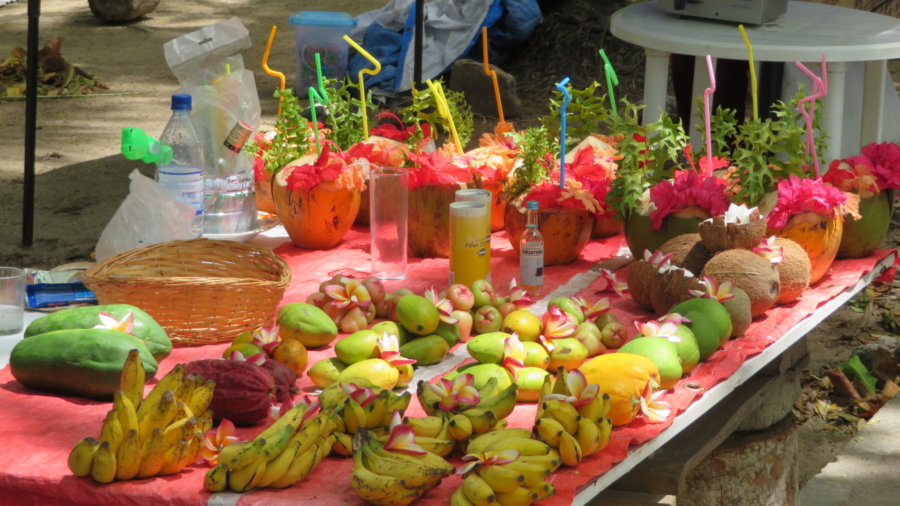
<point>209,67</point>
<point>149,215</point>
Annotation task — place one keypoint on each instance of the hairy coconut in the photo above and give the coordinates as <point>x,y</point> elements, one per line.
<point>720,236</point>
<point>751,273</point>
<point>688,252</point>
<point>671,288</point>
<point>739,309</point>
<point>641,277</point>
<point>793,271</point>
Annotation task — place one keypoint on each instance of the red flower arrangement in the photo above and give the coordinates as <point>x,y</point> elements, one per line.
<point>855,174</point>
<point>329,166</point>
<point>688,189</point>
<point>886,159</point>
<point>588,179</point>
<point>392,132</point>
<point>796,196</point>
<point>435,168</point>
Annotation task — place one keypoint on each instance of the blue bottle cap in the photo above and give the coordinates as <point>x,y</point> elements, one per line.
<point>181,102</point>
<point>531,204</point>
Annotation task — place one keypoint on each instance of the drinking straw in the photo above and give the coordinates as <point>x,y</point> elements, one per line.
<point>488,71</point>
<point>265,64</point>
<point>820,89</point>
<point>317,96</point>
<point>444,110</point>
<point>561,86</point>
<point>706,93</point>
<point>752,72</point>
<point>362,89</point>
<point>611,79</point>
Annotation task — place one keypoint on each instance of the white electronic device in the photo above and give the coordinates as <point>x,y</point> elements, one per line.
<point>752,12</point>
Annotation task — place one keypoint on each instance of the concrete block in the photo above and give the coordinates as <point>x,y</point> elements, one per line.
<point>777,405</point>
<point>623,498</point>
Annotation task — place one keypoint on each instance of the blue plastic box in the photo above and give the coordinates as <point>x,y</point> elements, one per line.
<point>320,32</point>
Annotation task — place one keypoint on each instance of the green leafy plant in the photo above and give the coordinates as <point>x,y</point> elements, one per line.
<point>423,109</point>
<point>585,113</point>
<point>649,154</point>
<point>291,139</point>
<point>536,147</point>
<point>344,113</point>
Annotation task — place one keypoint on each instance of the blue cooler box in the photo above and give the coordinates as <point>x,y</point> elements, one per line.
<point>320,32</point>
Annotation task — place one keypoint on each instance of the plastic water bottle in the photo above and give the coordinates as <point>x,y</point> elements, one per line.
<point>229,194</point>
<point>183,176</point>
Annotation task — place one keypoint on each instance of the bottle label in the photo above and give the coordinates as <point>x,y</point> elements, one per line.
<point>184,184</point>
<point>532,264</point>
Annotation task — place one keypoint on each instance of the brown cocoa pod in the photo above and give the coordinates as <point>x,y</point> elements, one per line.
<point>244,391</point>
<point>285,379</point>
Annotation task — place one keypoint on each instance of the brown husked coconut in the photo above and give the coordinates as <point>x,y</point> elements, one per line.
<point>793,271</point>
<point>688,252</point>
<point>641,276</point>
<point>751,273</point>
<point>720,236</point>
<point>671,288</point>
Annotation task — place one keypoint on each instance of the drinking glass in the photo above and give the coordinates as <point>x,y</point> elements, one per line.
<point>389,210</point>
<point>12,300</point>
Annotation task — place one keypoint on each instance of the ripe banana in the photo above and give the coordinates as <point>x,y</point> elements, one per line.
<point>196,444</point>
<point>128,458</point>
<point>525,447</point>
<point>428,460</point>
<point>325,447</point>
<point>441,447</point>
<point>546,389</point>
<point>482,421</point>
<point>376,409</point>
<point>159,415</point>
<point>276,443</point>
<point>570,450</point>
<point>174,456</point>
<point>182,411</point>
<point>521,496</point>
<point>300,466</point>
<point>201,397</point>
<point>246,478</point>
<point>103,469</point>
<point>501,404</point>
<point>308,435</point>
<point>550,461</point>
<point>183,393</point>
<point>169,382</point>
<point>112,431</point>
<point>82,457</point>
<point>428,426</point>
<point>549,430</point>
<point>543,491</point>
<point>460,427</point>
<point>533,474</point>
<point>216,479</point>
<point>479,444</point>
<point>560,386</point>
<point>293,417</point>
<point>125,411</point>
<point>459,498</point>
<point>501,479</point>
<point>490,389</point>
<point>588,436</point>
<point>371,486</point>
<point>478,491</point>
<point>182,429</point>
<point>564,413</point>
<point>343,445</point>
<point>414,472</point>
<point>596,409</point>
<point>605,427</point>
<point>133,377</point>
<point>242,454</point>
<point>354,416</point>
<point>277,467</point>
<point>153,454</point>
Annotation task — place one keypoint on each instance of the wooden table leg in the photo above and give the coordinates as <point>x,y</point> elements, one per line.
<point>656,82</point>
<point>834,111</point>
<point>873,102</point>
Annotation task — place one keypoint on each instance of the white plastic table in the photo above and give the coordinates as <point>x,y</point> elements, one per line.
<point>804,33</point>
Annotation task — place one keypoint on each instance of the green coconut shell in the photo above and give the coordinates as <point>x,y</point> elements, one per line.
<point>862,236</point>
<point>639,233</point>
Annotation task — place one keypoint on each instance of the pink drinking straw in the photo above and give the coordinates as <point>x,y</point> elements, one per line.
<point>711,89</point>
<point>820,89</point>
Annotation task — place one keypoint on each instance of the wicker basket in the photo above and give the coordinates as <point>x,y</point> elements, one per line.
<point>201,291</point>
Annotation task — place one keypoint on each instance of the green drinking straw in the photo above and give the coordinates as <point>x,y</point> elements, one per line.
<point>611,80</point>
<point>317,96</point>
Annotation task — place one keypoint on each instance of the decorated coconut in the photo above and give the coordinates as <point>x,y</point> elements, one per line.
<point>688,252</point>
<point>750,272</point>
<point>792,264</point>
<point>739,227</point>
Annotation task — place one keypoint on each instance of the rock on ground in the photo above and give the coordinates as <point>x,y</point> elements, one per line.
<point>468,77</point>
<point>122,10</point>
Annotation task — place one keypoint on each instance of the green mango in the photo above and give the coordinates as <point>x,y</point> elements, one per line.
<point>358,346</point>
<point>80,362</point>
<point>326,371</point>
<point>145,327</point>
<point>569,306</point>
<point>487,348</point>
<point>449,331</point>
<point>530,381</point>
<point>393,329</point>
<point>417,314</point>
<point>426,350</point>
<point>482,373</point>
<point>307,324</point>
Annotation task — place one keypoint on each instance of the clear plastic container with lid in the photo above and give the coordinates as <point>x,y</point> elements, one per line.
<point>323,33</point>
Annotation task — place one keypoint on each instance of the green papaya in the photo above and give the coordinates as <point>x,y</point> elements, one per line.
<point>145,327</point>
<point>426,350</point>
<point>80,362</point>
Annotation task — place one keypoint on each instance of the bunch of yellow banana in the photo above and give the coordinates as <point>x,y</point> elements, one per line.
<point>358,408</point>
<point>153,436</point>
<point>392,478</point>
<point>574,422</point>
<point>466,420</point>
<point>506,467</point>
<point>278,457</point>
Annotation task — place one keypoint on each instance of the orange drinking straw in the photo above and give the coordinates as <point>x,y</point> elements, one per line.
<point>362,89</point>
<point>265,63</point>
<point>488,71</point>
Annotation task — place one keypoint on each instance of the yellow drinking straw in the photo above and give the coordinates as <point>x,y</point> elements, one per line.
<point>488,71</point>
<point>752,72</point>
<point>362,89</point>
<point>265,63</point>
<point>444,109</point>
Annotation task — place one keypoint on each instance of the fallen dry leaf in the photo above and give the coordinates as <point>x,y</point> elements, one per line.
<point>885,365</point>
<point>842,385</point>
